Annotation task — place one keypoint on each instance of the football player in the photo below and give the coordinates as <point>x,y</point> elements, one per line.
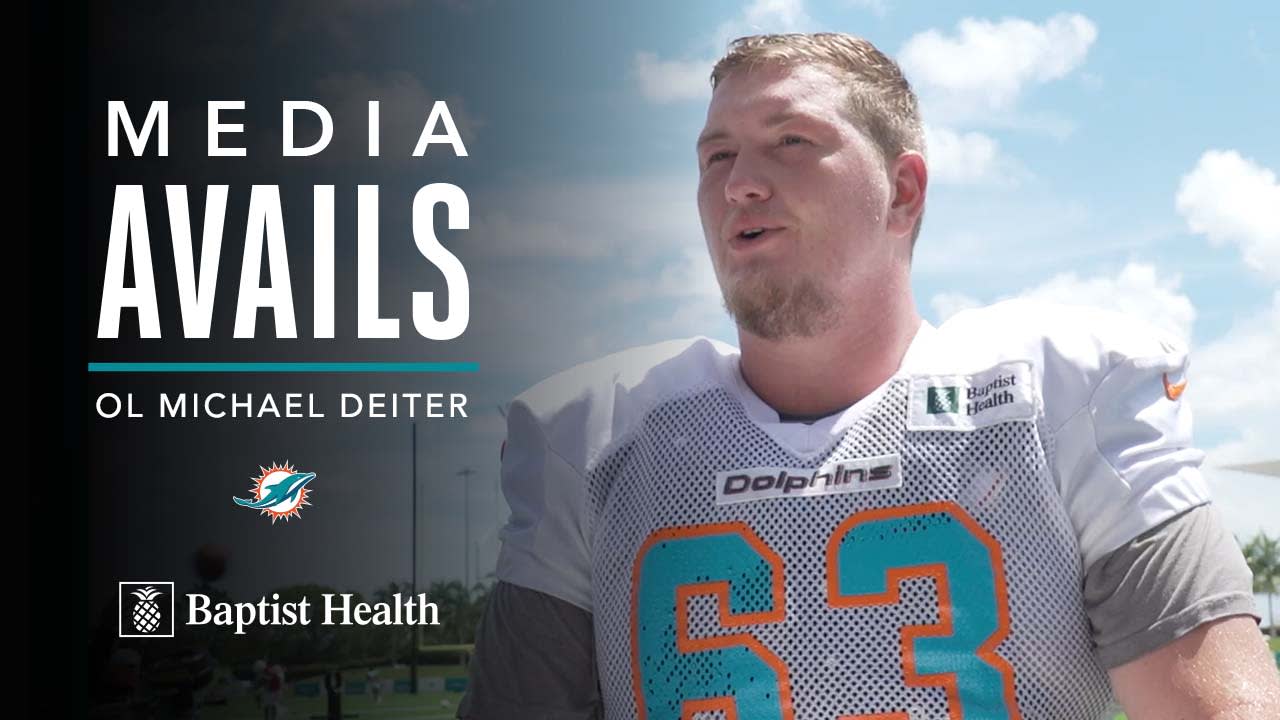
<point>859,515</point>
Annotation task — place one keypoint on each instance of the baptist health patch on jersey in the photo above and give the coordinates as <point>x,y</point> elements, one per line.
<point>846,476</point>
<point>966,402</point>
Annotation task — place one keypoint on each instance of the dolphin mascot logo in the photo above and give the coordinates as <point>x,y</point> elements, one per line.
<point>284,491</point>
<point>279,492</point>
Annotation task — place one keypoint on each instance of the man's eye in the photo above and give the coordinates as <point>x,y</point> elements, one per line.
<point>718,156</point>
<point>793,140</point>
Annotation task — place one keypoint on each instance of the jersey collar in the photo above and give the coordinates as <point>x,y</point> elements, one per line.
<point>813,438</point>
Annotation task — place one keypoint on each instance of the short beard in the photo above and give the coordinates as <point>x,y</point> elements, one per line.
<point>774,311</point>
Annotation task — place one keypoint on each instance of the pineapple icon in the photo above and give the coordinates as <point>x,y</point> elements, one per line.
<point>149,613</point>
<point>146,614</point>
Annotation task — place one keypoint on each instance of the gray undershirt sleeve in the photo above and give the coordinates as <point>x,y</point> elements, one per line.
<point>1165,583</point>
<point>534,660</point>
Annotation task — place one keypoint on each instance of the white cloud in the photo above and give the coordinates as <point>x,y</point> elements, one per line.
<point>985,66</point>
<point>1232,199</point>
<point>1023,233</point>
<point>1235,377</point>
<point>969,158</point>
<point>664,81</point>
<point>1136,290</point>
<point>687,284</point>
<point>689,275</point>
<point>1247,502</point>
<point>703,316</point>
<point>762,16</point>
<point>949,303</point>
<point>635,220</point>
<point>771,15</point>
<point>975,76</point>
<point>1232,387</point>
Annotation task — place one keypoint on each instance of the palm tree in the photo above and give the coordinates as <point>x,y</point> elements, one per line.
<point>1263,555</point>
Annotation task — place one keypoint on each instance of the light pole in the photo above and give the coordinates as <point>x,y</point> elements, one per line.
<point>466,474</point>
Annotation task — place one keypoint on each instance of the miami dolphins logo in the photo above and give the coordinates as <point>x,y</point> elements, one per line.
<point>280,491</point>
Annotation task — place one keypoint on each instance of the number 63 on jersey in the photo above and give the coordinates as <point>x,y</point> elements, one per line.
<point>676,675</point>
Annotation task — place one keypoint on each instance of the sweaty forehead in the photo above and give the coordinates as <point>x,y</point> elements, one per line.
<point>772,90</point>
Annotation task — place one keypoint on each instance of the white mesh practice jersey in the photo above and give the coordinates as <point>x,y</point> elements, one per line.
<point>917,555</point>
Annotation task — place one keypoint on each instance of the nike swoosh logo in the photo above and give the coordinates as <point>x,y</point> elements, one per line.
<point>1173,391</point>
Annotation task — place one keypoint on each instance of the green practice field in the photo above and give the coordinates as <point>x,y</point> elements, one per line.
<point>425,705</point>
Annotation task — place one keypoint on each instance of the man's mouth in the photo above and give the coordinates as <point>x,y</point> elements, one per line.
<point>753,235</point>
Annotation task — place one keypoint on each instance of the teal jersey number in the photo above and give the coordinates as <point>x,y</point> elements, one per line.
<point>868,555</point>
<point>674,673</point>
<point>873,551</point>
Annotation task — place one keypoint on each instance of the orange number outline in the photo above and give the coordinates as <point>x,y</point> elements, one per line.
<point>943,628</point>
<point>720,589</point>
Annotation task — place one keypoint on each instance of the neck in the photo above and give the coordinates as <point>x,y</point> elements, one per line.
<point>826,373</point>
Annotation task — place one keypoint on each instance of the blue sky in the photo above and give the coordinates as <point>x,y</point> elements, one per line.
<point>1101,155</point>
<point>1097,154</point>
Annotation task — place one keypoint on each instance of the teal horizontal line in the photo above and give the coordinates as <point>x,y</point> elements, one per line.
<point>285,367</point>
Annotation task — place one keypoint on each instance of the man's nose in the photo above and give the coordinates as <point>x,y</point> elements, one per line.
<point>746,183</point>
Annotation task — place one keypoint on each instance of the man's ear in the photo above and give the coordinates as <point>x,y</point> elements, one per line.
<point>908,181</point>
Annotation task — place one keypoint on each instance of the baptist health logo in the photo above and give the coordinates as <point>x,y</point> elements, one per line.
<point>146,610</point>
<point>279,491</point>
<point>941,400</point>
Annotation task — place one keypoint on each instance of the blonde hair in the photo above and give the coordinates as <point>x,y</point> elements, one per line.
<point>880,99</point>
